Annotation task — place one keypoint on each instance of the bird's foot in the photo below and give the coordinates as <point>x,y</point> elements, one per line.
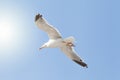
<point>70,44</point>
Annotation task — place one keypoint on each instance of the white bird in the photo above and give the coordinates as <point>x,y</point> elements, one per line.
<point>56,41</point>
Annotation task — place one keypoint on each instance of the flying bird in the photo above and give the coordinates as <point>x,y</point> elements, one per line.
<point>56,41</point>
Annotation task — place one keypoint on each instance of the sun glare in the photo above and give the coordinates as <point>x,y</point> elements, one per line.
<point>11,38</point>
<point>6,33</point>
<point>6,37</point>
<point>12,33</point>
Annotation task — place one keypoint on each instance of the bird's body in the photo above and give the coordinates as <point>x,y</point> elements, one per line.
<point>56,41</point>
<point>52,43</point>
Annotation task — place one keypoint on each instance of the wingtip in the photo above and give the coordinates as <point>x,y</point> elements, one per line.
<point>81,63</point>
<point>38,16</point>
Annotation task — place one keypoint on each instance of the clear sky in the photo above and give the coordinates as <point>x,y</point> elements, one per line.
<point>94,23</point>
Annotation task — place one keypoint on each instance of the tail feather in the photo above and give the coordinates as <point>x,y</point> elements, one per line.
<point>81,63</point>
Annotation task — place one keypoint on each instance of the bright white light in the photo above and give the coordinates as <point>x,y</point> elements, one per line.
<point>6,33</point>
<point>10,35</point>
<point>6,38</point>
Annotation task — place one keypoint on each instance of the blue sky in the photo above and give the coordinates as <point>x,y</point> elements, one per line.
<point>94,24</point>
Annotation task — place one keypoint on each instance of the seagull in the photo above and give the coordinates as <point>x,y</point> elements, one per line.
<point>56,41</point>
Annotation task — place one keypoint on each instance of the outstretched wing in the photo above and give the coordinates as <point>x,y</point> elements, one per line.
<point>52,32</point>
<point>69,51</point>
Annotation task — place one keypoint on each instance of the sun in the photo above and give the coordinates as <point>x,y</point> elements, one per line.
<point>6,37</point>
<point>12,36</point>
<point>13,33</point>
<point>6,32</point>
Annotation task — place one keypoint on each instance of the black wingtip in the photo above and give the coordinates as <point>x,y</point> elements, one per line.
<point>81,63</point>
<point>38,16</point>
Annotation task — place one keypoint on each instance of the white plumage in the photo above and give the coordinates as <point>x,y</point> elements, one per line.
<point>56,40</point>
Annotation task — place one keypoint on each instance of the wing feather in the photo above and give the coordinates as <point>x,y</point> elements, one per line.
<point>52,32</point>
<point>70,52</point>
